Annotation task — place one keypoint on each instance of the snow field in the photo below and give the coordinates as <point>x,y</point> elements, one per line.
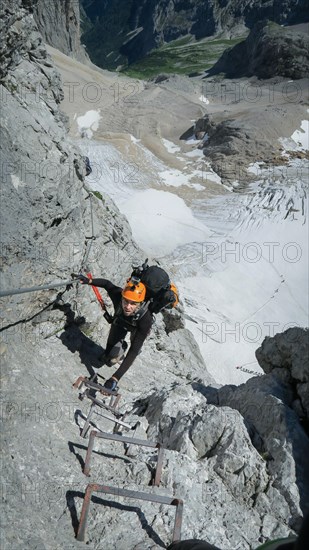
<point>240,260</point>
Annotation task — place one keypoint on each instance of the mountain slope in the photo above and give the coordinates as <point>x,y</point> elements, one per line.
<point>119,33</point>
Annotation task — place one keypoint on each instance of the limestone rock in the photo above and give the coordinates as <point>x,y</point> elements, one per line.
<point>268,51</point>
<point>266,406</point>
<point>59,24</point>
<point>49,338</point>
<point>218,467</point>
<point>286,356</point>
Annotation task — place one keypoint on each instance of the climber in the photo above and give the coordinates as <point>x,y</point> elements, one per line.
<point>87,166</point>
<point>131,315</point>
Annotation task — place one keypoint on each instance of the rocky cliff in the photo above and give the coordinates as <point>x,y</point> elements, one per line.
<point>39,166</point>
<point>118,32</point>
<point>268,51</point>
<point>235,455</point>
<point>244,445</point>
<point>59,24</point>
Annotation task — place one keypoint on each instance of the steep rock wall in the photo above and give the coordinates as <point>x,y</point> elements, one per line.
<point>59,24</point>
<point>42,173</point>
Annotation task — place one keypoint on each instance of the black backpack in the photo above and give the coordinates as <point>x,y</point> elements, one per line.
<point>157,283</point>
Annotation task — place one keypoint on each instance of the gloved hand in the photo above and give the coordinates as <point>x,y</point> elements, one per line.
<point>83,279</point>
<point>111,384</point>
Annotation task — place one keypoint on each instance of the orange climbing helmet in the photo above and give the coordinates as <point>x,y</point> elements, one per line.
<point>136,292</point>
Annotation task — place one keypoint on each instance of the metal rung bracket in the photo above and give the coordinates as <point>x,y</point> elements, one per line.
<point>106,489</point>
<point>81,382</point>
<point>96,403</point>
<point>125,439</point>
<point>84,381</point>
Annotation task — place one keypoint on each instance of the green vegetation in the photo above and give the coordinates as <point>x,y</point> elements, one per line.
<point>98,195</point>
<point>273,26</point>
<point>265,455</point>
<point>182,56</point>
<point>87,330</point>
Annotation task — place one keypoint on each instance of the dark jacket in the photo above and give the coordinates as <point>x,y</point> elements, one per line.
<point>139,325</point>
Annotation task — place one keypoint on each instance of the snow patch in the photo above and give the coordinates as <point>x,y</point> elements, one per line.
<point>255,168</point>
<point>192,140</point>
<point>88,123</point>
<point>301,137</point>
<point>170,146</point>
<point>161,221</point>
<point>134,139</point>
<point>299,140</point>
<point>206,175</point>
<point>195,153</point>
<point>204,99</point>
<point>174,177</point>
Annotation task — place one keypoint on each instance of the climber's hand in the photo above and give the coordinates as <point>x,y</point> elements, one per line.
<point>111,384</point>
<point>83,279</point>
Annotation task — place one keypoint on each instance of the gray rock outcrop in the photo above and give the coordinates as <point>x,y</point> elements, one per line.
<point>246,444</point>
<point>268,51</point>
<point>42,172</point>
<point>234,137</point>
<point>286,356</point>
<point>59,24</point>
<point>232,144</point>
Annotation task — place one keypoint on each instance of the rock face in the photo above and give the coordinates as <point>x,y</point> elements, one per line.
<point>141,26</point>
<point>245,444</point>
<point>231,144</point>
<point>59,24</point>
<point>268,51</point>
<point>38,163</point>
<point>286,356</point>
